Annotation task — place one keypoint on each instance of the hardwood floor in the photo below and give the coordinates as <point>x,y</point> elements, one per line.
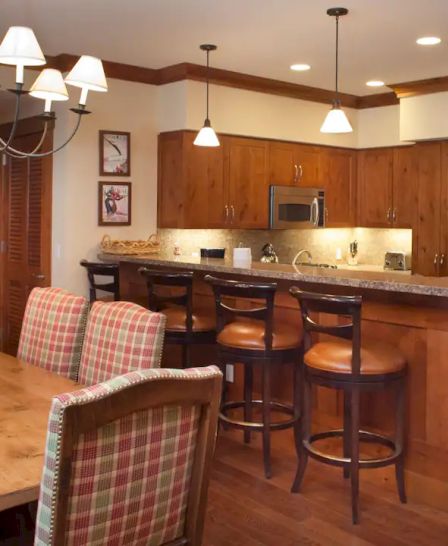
<point>247,510</point>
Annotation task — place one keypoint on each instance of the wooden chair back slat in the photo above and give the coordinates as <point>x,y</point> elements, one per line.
<point>99,269</point>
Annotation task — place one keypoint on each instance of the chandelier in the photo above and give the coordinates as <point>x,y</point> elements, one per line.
<point>20,48</point>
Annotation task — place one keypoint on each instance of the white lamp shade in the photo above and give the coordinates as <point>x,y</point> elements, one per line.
<point>88,73</point>
<point>336,122</point>
<point>49,85</point>
<point>20,47</point>
<point>206,136</point>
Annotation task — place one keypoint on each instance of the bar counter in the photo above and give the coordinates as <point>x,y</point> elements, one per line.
<point>406,310</point>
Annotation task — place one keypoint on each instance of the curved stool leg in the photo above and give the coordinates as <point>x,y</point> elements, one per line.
<point>306,431</point>
<point>267,418</point>
<point>347,431</point>
<point>399,439</point>
<point>248,382</point>
<point>354,448</point>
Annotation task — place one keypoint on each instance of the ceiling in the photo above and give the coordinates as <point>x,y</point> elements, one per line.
<point>260,37</point>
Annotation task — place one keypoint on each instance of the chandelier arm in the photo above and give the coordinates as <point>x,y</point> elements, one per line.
<point>12,152</point>
<point>12,134</point>
<point>24,155</point>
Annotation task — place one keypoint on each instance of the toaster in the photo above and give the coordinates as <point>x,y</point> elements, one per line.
<point>396,260</point>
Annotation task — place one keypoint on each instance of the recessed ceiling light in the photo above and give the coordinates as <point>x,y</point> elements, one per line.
<point>300,67</point>
<point>429,40</point>
<point>375,83</point>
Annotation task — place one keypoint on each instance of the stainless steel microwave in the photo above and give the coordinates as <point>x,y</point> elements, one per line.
<point>292,207</point>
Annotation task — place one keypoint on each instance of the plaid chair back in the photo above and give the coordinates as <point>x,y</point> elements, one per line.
<point>127,461</point>
<point>120,337</point>
<point>53,330</point>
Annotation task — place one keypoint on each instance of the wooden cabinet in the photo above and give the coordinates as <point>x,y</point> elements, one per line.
<point>429,237</point>
<point>338,178</point>
<point>375,187</point>
<point>293,164</point>
<point>223,187</point>
<point>387,187</point>
<point>248,187</point>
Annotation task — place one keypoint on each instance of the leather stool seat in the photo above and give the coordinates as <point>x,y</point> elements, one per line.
<point>377,358</point>
<point>176,317</point>
<point>244,333</point>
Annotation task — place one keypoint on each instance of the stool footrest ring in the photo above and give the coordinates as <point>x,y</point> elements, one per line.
<point>364,436</point>
<point>257,426</point>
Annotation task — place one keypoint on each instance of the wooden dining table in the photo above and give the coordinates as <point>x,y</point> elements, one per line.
<point>25,399</point>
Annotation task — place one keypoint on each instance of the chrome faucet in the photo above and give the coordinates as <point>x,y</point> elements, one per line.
<point>297,256</point>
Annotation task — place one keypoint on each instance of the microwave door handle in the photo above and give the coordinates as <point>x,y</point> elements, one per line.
<point>316,204</point>
<point>314,217</point>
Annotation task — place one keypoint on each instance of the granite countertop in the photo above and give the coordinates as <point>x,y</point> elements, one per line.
<point>366,277</point>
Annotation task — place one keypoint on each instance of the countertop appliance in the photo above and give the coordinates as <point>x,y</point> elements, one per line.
<point>269,255</point>
<point>296,208</point>
<point>396,260</point>
<point>213,252</point>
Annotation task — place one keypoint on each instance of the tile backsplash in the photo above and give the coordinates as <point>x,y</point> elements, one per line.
<point>322,243</point>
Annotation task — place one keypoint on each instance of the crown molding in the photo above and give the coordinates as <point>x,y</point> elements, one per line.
<point>189,71</point>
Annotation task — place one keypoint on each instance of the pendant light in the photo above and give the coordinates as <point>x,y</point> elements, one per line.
<point>336,120</point>
<point>207,136</point>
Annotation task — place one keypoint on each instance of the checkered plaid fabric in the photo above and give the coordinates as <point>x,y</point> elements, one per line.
<point>129,479</point>
<point>120,337</point>
<point>53,330</point>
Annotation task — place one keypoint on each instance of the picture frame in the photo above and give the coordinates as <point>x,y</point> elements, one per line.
<point>115,153</point>
<point>114,203</point>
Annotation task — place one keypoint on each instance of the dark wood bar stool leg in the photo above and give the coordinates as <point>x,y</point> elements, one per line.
<point>186,355</point>
<point>248,388</point>
<point>306,432</point>
<point>354,451</point>
<point>347,429</point>
<point>297,402</point>
<point>399,438</point>
<point>267,418</point>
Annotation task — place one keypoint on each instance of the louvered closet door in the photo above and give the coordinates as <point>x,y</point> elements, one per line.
<point>28,235</point>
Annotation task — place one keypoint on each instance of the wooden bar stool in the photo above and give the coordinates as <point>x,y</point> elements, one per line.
<point>351,366</point>
<point>251,337</point>
<point>100,269</point>
<point>184,325</point>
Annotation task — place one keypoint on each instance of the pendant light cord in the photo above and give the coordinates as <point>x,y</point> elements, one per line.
<point>208,76</point>
<point>337,57</point>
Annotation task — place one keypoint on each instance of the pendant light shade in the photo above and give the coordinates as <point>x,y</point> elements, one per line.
<point>207,136</point>
<point>336,120</point>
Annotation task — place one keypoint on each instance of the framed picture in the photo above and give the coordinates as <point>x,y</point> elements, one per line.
<point>114,204</point>
<point>115,153</point>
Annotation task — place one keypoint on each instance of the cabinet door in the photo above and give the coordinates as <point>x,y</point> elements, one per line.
<point>443,261</point>
<point>283,168</point>
<point>375,187</point>
<point>248,182</point>
<point>170,194</point>
<point>405,196</point>
<point>426,240</point>
<point>307,161</point>
<point>206,195</point>
<point>338,170</point>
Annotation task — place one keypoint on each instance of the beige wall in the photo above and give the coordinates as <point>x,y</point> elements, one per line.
<point>126,107</point>
<point>424,117</point>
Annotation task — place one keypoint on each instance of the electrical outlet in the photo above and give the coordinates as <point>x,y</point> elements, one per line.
<point>229,373</point>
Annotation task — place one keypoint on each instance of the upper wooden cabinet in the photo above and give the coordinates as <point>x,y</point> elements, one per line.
<point>223,187</point>
<point>430,247</point>
<point>338,178</point>
<point>387,187</point>
<point>293,164</point>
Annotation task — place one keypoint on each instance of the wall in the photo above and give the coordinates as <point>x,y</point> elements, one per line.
<point>424,117</point>
<point>126,107</point>
<point>379,127</point>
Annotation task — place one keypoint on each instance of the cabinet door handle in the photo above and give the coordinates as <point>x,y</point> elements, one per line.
<point>436,259</point>
<point>442,259</point>
<point>232,208</point>
<point>226,208</point>
<point>388,213</point>
<point>300,172</point>
<point>38,276</point>
<point>394,215</point>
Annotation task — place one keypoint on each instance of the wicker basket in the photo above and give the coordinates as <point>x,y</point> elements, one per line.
<point>110,246</point>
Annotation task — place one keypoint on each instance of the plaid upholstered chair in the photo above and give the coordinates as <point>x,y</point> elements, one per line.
<point>120,337</point>
<point>127,461</point>
<point>53,330</point>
